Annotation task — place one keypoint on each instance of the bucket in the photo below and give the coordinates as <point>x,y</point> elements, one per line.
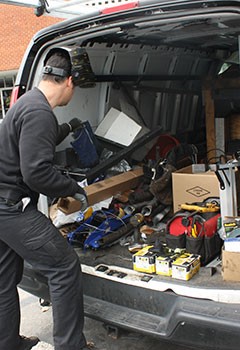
<point>163,145</point>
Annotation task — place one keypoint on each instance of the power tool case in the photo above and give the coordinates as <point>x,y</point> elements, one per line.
<point>197,232</point>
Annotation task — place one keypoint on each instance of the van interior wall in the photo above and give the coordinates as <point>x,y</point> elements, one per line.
<point>175,104</point>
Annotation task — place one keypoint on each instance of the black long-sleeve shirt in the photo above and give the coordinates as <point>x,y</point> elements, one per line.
<point>28,137</point>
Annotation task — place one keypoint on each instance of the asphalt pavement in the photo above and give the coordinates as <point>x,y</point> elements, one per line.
<point>37,320</point>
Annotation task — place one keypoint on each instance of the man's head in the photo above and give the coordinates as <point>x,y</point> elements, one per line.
<point>57,66</point>
<point>64,68</point>
<point>56,82</point>
<point>70,61</point>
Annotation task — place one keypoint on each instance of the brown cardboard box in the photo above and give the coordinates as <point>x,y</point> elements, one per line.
<point>53,211</point>
<point>230,266</point>
<point>102,190</point>
<point>189,187</point>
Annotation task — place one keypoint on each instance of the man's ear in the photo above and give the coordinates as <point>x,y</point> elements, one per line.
<point>69,81</point>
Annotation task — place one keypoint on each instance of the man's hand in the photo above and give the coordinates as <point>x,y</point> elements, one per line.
<point>74,124</point>
<point>82,199</point>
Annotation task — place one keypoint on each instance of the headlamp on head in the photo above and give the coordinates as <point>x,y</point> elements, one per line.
<point>81,70</point>
<point>55,71</point>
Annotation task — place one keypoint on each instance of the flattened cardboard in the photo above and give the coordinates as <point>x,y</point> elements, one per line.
<point>230,266</point>
<point>102,190</point>
<point>190,188</point>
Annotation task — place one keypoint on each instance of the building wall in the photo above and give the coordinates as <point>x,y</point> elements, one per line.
<point>18,25</point>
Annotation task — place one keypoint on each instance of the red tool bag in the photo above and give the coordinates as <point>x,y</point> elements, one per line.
<point>183,222</point>
<point>197,232</point>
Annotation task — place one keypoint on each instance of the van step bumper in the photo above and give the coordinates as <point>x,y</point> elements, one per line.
<point>188,326</point>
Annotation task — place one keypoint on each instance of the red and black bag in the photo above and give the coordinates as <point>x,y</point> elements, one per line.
<point>197,232</point>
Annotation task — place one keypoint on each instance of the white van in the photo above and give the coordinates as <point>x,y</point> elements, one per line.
<point>150,62</point>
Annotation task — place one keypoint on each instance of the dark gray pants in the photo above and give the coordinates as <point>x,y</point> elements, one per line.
<point>29,235</point>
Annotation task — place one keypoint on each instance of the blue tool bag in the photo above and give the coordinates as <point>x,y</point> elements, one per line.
<point>84,145</point>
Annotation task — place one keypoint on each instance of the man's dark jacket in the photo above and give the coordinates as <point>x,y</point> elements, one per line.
<point>28,137</point>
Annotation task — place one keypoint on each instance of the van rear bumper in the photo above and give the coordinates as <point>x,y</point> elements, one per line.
<point>165,315</point>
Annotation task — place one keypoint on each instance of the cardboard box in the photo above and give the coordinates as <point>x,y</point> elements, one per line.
<point>232,244</point>
<point>118,127</point>
<point>185,266</point>
<point>101,190</point>
<point>144,260</point>
<point>230,266</point>
<point>189,187</point>
<point>164,264</point>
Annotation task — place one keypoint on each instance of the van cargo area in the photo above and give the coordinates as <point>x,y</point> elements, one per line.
<point>165,95</point>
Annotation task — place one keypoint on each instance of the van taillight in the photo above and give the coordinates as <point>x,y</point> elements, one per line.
<point>126,6</point>
<point>14,95</point>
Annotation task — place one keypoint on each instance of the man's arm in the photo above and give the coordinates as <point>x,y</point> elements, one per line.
<point>65,129</point>
<point>36,149</point>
